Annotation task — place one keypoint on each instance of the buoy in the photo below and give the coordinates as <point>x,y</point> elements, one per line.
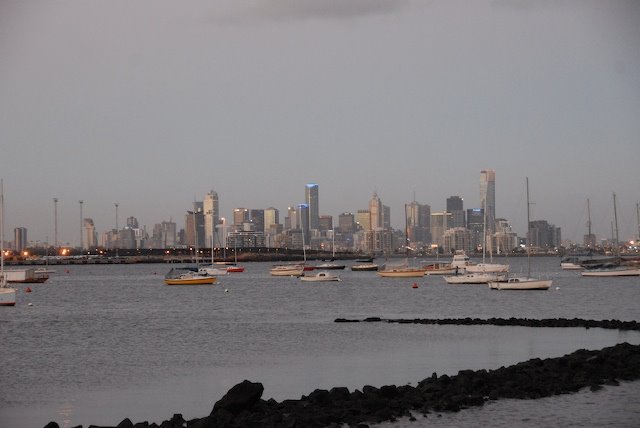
<point>67,271</point>
<point>27,290</point>
<point>414,285</point>
<point>29,304</point>
<point>226,290</point>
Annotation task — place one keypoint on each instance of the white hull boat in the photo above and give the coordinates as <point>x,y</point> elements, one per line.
<point>472,278</point>
<point>287,270</point>
<point>521,284</point>
<point>321,276</point>
<point>488,268</point>
<point>608,272</point>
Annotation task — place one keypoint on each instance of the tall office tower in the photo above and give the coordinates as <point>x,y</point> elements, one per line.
<point>211,218</point>
<point>386,217</point>
<point>240,215</point>
<point>256,217</point>
<point>439,224</point>
<point>475,224</point>
<point>488,198</point>
<point>326,222</point>
<point>455,207</point>
<point>271,217</point>
<point>418,222</point>
<point>90,235</point>
<point>20,238</point>
<point>291,220</point>
<point>346,223</point>
<point>194,226</point>
<point>311,199</point>
<point>363,219</point>
<point>303,222</point>
<point>375,212</point>
<point>132,222</point>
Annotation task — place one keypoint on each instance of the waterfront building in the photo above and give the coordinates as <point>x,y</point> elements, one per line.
<point>19,239</point>
<point>291,220</point>
<point>326,223</point>
<point>313,203</point>
<point>386,217</point>
<point>475,224</point>
<point>455,206</point>
<point>271,217</point>
<point>246,239</point>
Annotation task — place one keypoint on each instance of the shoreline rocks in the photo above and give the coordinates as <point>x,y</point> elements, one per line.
<point>243,406</point>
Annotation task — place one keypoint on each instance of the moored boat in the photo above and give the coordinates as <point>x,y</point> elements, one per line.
<point>400,272</point>
<point>364,267</point>
<point>287,270</point>
<point>25,276</point>
<point>521,283</point>
<point>615,270</point>
<point>437,268</point>
<point>320,276</point>
<point>472,278</point>
<point>187,277</point>
<point>329,266</point>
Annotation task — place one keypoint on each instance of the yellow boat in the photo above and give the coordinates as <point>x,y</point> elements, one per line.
<point>187,277</point>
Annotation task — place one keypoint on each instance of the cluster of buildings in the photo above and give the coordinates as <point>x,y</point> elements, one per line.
<point>367,230</point>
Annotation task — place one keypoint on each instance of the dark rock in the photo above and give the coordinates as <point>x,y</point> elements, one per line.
<point>240,397</point>
<point>126,423</point>
<point>52,425</point>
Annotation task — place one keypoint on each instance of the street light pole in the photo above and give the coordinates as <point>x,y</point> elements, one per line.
<point>116,238</point>
<point>81,224</point>
<point>55,223</point>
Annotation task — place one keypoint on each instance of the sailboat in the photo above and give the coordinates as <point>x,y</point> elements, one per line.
<point>7,294</point>
<point>486,268</point>
<point>331,265</point>
<point>616,268</point>
<point>235,268</point>
<point>211,270</point>
<point>403,270</point>
<point>523,283</point>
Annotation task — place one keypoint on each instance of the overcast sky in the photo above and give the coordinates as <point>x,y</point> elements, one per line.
<point>151,104</point>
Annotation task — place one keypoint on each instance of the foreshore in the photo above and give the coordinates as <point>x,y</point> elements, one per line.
<point>243,406</point>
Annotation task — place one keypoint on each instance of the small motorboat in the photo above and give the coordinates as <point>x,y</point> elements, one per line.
<point>321,276</point>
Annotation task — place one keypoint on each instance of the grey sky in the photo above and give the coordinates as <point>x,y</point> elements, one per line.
<point>153,103</point>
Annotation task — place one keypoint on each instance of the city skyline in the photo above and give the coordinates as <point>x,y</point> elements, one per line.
<point>208,206</point>
<point>152,105</point>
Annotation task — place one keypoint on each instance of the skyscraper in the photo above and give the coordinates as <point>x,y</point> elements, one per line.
<point>20,238</point>
<point>303,214</point>
<point>488,197</point>
<point>211,215</point>
<point>311,198</point>
<point>375,212</point>
<point>455,207</point>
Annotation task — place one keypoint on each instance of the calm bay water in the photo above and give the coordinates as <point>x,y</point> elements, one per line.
<point>101,343</point>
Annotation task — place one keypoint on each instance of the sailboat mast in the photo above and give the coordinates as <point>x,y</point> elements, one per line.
<point>615,219</point>
<point>2,279</point>
<point>589,219</point>
<point>528,234</point>
<point>638,215</point>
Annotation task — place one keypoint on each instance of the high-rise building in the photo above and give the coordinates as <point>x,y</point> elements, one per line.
<point>455,206</point>
<point>194,226</point>
<point>291,221</point>
<point>303,222</point>
<point>363,219</point>
<point>488,197</point>
<point>418,223</point>
<point>326,222</point>
<point>346,223</point>
<point>375,212</point>
<point>312,201</point>
<point>164,235</point>
<point>439,224</point>
<point>20,238</point>
<point>211,217</point>
<point>475,224</point>
<point>257,218</point>
<point>271,217</point>
<point>90,235</point>
<point>240,215</point>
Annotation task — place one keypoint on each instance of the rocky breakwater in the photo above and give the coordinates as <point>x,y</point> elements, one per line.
<point>243,406</point>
